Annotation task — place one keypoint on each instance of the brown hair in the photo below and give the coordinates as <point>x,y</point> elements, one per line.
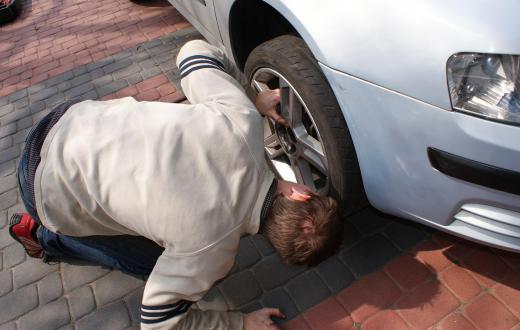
<point>303,232</point>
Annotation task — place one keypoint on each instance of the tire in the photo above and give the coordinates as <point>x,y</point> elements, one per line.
<point>289,56</point>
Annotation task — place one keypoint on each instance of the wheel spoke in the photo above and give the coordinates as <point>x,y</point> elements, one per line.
<point>312,151</point>
<point>302,172</point>
<point>272,147</point>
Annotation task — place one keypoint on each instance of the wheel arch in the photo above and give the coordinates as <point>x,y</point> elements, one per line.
<point>252,22</point>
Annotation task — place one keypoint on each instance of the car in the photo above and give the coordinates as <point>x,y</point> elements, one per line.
<point>413,104</point>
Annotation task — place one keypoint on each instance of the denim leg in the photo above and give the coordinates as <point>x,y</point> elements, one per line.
<point>24,187</point>
<point>132,254</point>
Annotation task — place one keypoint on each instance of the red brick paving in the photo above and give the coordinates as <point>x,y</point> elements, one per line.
<point>407,272</point>
<point>385,320</point>
<point>443,283</point>
<point>369,295</point>
<point>488,313</point>
<point>456,322</point>
<point>328,315</point>
<point>52,37</point>
<point>461,283</point>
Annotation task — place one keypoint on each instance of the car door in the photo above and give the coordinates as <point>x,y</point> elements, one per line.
<point>201,14</point>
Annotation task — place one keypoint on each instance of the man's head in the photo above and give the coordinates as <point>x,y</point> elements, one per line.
<point>303,227</point>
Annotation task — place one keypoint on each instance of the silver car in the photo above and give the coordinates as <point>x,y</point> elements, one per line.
<point>415,103</point>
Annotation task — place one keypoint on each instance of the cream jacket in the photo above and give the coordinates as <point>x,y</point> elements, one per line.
<point>190,177</point>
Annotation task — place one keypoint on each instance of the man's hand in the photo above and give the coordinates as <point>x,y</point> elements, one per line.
<point>261,319</point>
<point>266,102</point>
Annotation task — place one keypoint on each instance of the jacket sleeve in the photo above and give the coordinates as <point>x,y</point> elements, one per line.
<point>206,76</point>
<point>178,281</point>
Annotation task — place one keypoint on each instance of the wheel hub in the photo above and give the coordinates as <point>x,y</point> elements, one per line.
<point>287,138</point>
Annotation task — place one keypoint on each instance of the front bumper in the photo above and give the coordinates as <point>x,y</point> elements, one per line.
<point>392,133</point>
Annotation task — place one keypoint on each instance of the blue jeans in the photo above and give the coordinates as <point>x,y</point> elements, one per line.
<point>131,254</point>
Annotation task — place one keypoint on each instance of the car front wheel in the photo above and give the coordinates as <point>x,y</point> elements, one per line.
<point>315,148</point>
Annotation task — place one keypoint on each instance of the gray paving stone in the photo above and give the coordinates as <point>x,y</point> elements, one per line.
<point>148,63</point>
<point>50,288</point>
<point>160,49</point>
<point>152,43</point>
<point>67,327</point>
<point>247,253</point>
<point>35,88</point>
<point>22,124</point>
<point>165,57</point>
<point>350,235</point>
<point>8,199</point>
<point>13,255</point>
<point>370,254</point>
<point>405,234</point>
<point>271,272</point>
<point>134,79</point>
<point>39,115</point>
<point>75,276</point>
<point>3,101</point>
<point>81,302</point>
<point>152,72</point>
<point>6,282</point>
<point>129,70</point>
<point>5,238</point>
<point>279,298</point>
<point>22,133</point>
<point>240,289</point>
<point>8,326</point>
<point>17,303</point>
<point>81,79</point>
<point>6,142</point>
<point>8,182</point>
<point>64,86</point>
<point>263,245</point>
<point>16,208</point>
<point>43,94</point>
<point>133,304</point>
<point>111,87</point>
<point>3,222</point>
<point>17,95</point>
<point>103,80</point>
<point>37,106</point>
<point>54,100</point>
<point>7,168</point>
<point>59,79</point>
<point>105,291</point>
<point>97,73</point>
<point>251,307</point>
<point>78,90</point>
<point>50,316</point>
<point>122,55</point>
<point>370,221</point>
<point>334,273</point>
<point>113,317</point>
<point>213,300</point>
<point>21,103</point>
<point>79,70</point>
<point>116,66</point>
<point>307,290</point>
<point>31,271</point>
<point>168,66</point>
<point>92,95</point>
<point>14,116</point>
<point>140,56</point>
<point>99,64</point>
<point>6,109</point>
<point>8,129</point>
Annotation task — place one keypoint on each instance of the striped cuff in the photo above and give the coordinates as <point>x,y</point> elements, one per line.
<point>196,62</point>
<point>156,314</point>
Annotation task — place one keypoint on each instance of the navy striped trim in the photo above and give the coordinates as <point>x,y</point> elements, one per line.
<point>185,73</point>
<point>157,314</point>
<point>194,57</point>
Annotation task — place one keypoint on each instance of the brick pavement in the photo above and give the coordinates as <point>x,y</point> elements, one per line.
<point>389,273</point>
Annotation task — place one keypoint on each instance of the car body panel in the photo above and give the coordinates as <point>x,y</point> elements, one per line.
<point>392,132</point>
<point>403,46</point>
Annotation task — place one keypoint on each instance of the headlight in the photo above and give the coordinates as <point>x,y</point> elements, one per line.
<point>486,84</point>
